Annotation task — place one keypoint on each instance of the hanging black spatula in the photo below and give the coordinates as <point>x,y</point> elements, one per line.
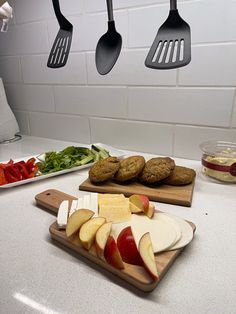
<point>61,46</point>
<point>172,45</point>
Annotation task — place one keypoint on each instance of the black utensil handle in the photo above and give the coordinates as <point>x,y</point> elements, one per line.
<point>110,10</point>
<point>173,4</point>
<point>63,22</point>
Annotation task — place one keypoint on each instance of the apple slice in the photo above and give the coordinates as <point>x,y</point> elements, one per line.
<point>88,231</point>
<point>151,210</point>
<point>77,219</point>
<point>101,239</point>
<point>134,209</point>
<point>140,201</point>
<point>112,254</point>
<point>147,255</point>
<point>128,248</point>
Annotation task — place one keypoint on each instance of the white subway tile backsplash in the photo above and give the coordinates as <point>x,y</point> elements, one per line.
<point>10,69</point>
<point>99,5</point>
<point>132,107</point>
<point>22,118</point>
<point>217,20</point>
<point>145,22</point>
<point>87,29</point>
<point>30,97</point>
<point>61,127</point>
<point>24,39</point>
<point>35,70</point>
<point>138,136</point>
<point>188,139</point>
<point>130,70</point>
<point>28,10</point>
<point>211,66</point>
<point>234,115</point>
<point>92,101</point>
<point>211,107</point>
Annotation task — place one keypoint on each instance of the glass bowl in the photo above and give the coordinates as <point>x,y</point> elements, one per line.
<point>219,160</point>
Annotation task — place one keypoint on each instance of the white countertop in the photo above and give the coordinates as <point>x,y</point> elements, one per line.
<point>39,277</point>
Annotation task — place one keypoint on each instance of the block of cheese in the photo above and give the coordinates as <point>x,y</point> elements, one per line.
<point>114,209</point>
<point>108,196</point>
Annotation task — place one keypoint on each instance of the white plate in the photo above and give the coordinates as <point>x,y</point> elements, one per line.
<point>112,151</point>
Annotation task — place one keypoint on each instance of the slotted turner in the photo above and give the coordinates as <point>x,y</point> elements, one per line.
<point>172,45</point>
<point>61,46</point>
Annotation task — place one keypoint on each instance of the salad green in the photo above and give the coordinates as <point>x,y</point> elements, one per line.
<point>70,157</point>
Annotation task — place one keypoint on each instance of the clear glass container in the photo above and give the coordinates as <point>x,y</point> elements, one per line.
<point>219,160</point>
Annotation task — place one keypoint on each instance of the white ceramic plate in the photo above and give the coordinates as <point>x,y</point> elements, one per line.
<point>112,151</point>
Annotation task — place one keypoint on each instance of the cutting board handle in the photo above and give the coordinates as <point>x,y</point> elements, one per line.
<point>51,199</point>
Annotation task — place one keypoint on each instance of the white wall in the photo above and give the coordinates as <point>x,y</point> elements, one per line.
<point>133,107</point>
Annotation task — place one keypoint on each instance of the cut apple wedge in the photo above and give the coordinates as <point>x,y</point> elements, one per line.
<point>77,219</point>
<point>151,210</point>
<point>128,248</point>
<point>147,255</point>
<point>140,201</point>
<point>112,254</point>
<point>134,209</point>
<point>88,231</point>
<point>101,239</point>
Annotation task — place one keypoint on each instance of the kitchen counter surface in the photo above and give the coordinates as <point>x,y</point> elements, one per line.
<point>38,276</point>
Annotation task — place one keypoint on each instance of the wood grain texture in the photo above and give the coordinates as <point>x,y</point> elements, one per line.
<point>135,275</point>
<point>177,195</point>
<point>2,2</point>
<point>51,199</point>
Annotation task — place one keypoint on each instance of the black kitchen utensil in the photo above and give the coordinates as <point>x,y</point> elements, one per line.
<point>172,45</point>
<point>61,46</point>
<point>109,45</point>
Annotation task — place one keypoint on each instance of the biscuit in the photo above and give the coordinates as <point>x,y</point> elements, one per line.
<point>180,176</point>
<point>130,168</point>
<point>157,169</point>
<point>104,169</point>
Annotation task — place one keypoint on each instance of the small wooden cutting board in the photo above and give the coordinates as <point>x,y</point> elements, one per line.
<point>177,195</point>
<point>135,275</point>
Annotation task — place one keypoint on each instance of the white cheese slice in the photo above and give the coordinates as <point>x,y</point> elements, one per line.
<point>94,203</point>
<point>86,201</point>
<point>62,214</point>
<point>73,207</point>
<point>162,233</point>
<point>169,219</point>
<point>186,232</point>
<point>80,203</point>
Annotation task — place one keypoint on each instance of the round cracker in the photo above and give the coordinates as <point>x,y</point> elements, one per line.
<point>130,168</point>
<point>157,169</point>
<point>104,169</point>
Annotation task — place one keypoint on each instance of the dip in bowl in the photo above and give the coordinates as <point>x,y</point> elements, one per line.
<point>219,160</point>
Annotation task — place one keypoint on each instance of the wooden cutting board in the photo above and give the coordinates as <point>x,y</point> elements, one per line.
<point>177,195</point>
<point>135,275</point>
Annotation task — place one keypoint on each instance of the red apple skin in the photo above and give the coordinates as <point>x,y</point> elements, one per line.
<point>145,201</point>
<point>112,254</point>
<point>128,248</point>
<point>143,249</point>
<point>141,201</point>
